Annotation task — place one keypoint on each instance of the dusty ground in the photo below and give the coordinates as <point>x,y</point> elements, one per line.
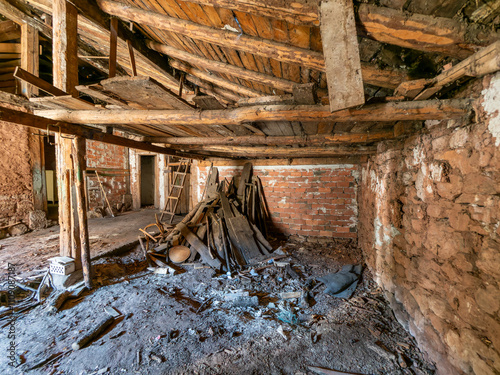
<point>31,251</point>
<point>183,325</point>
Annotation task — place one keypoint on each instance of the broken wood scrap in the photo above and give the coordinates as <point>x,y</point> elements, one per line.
<point>93,333</point>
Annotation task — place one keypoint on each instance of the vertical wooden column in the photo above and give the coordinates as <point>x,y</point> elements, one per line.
<point>113,45</point>
<point>65,73</point>
<point>79,162</point>
<point>29,57</point>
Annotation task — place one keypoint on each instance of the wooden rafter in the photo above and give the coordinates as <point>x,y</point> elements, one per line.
<point>393,111</point>
<point>420,32</point>
<point>388,78</point>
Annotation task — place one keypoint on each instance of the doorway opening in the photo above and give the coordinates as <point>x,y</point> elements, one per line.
<point>147,180</point>
<point>49,155</point>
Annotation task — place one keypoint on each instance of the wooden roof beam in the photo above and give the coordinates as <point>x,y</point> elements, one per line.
<point>415,31</point>
<point>13,117</point>
<point>392,111</point>
<point>312,140</point>
<point>388,78</point>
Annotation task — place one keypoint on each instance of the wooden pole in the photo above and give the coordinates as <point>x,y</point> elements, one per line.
<point>79,151</point>
<point>29,57</point>
<point>12,117</point>
<point>65,75</point>
<point>392,111</point>
<point>310,140</point>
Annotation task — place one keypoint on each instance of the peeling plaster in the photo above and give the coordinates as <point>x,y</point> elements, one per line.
<point>491,105</point>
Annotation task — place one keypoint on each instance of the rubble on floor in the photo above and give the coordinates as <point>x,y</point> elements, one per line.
<point>226,230</point>
<point>264,320</point>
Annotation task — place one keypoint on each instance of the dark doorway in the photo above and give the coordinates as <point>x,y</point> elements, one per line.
<point>49,156</point>
<point>147,180</point>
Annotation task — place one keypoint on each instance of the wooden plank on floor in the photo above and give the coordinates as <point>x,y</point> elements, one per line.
<point>340,48</point>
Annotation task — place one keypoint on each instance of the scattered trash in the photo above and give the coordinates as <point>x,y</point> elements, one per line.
<point>280,331</point>
<point>343,283</point>
<point>287,316</point>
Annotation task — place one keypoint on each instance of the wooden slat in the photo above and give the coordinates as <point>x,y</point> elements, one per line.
<point>37,82</point>
<point>340,48</point>
<point>9,30</point>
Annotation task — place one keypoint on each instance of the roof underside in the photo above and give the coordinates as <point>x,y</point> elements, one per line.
<point>228,90</point>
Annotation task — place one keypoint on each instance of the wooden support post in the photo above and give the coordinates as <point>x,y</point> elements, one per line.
<point>132,58</point>
<point>340,47</point>
<point>113,44</point>
<point>79,151</point>
<point>65,73</point>
<point>29,57</point>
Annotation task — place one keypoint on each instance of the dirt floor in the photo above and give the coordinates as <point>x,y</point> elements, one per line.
<point>31,251</point>
<point>185,324</point>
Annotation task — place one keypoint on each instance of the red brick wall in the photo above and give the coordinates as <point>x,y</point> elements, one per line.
<point>314,200</point>
<point>115,181</point>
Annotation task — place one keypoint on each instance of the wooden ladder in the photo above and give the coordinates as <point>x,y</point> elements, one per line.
<point>176,187</point>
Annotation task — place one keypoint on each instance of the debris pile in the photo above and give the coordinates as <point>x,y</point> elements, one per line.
<point>226,230</point>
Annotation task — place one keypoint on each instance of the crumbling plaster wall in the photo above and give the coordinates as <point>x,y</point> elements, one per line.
<point>430,229</point>
<point>306,200</point>
<point>21,174</point>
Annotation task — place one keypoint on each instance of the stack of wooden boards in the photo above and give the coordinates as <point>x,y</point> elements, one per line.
<point>226,230</point>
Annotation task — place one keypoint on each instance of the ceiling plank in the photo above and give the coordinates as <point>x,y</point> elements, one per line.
<point>300,12</point>
<point>392,111</point>
<point>340,48</point>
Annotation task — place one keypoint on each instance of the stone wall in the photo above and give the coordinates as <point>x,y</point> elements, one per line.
<point>306,200</point>
<point>430,229</point>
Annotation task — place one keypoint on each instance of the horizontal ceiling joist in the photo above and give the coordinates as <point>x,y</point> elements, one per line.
<point>420,32</point>
<point>387,78</point>
<point>393,111</point>
<point>312,140</point>
<point>290,152</point>
<point>12,117</point>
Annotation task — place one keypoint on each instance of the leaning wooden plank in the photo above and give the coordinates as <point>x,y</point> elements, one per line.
<point>245,177</point>
<point>145,91</point>
<point>12,117</point>
<point>393,111</point>
<point>340,48</point>
<point>199,246</point>
<point>25,76</point>
<point>484,62</point>
<point>66,101</point>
